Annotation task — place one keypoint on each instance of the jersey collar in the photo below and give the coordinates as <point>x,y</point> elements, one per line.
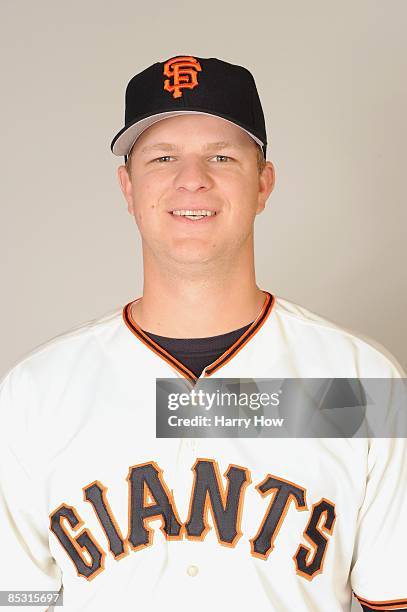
<point>216,365</point>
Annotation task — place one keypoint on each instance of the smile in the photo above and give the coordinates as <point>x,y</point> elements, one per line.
<point>193,215</point>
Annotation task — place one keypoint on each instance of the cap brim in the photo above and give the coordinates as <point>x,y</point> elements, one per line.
<point>125,139</point>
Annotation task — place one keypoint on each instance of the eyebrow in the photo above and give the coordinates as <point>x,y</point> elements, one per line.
<point>167,146</point>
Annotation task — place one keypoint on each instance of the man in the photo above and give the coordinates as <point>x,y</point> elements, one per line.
<point>92,500</point>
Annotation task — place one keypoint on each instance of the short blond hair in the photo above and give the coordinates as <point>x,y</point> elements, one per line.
<point>261,162</point>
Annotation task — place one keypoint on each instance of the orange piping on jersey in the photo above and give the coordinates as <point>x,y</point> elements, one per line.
<point>395,607</point>
<point>390,604</point>
<point>154,346</point>
<point>222,360</point>
<point>244,338</point>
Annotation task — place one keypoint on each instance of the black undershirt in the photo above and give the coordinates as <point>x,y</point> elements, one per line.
<point>197,353</point>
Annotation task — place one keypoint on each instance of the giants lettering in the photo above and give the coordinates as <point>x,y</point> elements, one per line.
<point>208,493</point>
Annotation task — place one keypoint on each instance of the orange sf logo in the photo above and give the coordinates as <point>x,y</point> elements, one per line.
<point>183,70</point>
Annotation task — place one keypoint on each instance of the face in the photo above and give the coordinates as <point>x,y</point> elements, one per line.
<point>195,162</point>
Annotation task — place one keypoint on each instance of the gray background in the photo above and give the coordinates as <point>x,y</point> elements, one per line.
<point>331,76</point>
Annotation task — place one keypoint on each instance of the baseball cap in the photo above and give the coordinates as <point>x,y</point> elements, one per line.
<point>186,84</point>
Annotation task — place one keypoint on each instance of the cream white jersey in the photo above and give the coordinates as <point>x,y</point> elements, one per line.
<point>92,501</point>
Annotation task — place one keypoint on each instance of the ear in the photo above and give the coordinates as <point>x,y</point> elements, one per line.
<point>126,187</point>
<point>267,181</point>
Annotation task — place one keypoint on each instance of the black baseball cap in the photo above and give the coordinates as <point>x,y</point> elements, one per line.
<point>187,84</point>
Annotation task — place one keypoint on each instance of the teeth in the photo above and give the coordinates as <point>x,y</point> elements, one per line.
<point>193,213</point>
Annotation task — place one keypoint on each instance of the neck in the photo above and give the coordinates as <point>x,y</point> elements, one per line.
<point>187,303</point>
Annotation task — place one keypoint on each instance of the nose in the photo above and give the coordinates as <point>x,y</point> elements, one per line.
<point>192,176</point>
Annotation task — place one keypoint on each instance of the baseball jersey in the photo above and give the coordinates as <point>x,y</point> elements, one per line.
<point>91,501</point>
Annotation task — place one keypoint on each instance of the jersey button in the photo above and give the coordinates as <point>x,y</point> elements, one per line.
<point>192,570</point>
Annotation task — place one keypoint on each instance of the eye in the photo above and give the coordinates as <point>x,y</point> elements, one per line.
<point>225,157</point>
<point>159,159</point>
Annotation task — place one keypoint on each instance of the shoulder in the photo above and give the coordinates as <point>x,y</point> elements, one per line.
<point>316,335</point>
<point>62,351</point>
<point>50,386</point>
